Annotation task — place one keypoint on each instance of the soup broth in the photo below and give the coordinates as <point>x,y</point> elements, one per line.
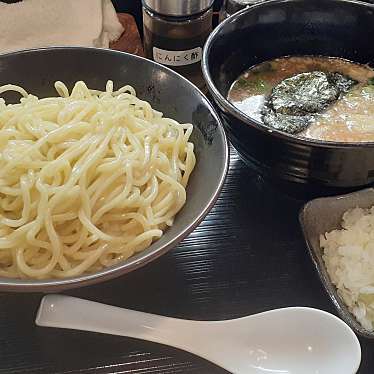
<point>347,118</point>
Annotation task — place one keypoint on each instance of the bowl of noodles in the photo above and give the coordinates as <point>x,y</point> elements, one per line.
<point>107,161</point>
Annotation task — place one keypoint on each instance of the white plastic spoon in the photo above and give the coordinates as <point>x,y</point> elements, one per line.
<point>282,341</point>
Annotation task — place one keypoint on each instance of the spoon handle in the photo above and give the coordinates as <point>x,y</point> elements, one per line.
<point>74,313</point>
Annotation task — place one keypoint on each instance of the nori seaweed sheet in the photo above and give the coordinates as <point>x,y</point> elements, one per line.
<point>295,101</point>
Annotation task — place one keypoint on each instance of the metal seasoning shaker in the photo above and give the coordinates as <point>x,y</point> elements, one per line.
<point>232,6</point>
<point>175,32</point>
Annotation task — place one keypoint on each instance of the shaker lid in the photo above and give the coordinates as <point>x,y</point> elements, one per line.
<point>178,8</point>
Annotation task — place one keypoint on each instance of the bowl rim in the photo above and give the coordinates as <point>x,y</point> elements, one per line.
<point>149,254</point>
<point>320,267</point>
<point>248,120</point>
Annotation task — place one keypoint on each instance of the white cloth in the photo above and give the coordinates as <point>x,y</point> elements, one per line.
<point>43,23</point>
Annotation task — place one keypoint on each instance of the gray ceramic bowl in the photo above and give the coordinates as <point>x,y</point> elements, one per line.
<point>320,216</point>
<point>37,70</point>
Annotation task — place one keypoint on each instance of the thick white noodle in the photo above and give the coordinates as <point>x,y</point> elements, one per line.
<point>87,179</point>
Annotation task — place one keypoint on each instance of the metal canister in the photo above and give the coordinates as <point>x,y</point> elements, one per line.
<point>232,6</point>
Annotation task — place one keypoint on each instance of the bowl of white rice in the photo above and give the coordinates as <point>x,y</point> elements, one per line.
<point>339,232</point>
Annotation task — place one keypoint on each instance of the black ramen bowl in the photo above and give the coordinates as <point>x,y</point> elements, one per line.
<point>275,28</point>
<point>37,70</point>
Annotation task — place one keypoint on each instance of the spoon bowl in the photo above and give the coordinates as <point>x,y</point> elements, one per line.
<point>281,341</point>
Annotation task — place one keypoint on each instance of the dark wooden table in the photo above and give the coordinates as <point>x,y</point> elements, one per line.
<point>247,256</point>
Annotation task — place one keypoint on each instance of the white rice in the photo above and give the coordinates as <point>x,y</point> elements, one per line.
<point>349,257</point>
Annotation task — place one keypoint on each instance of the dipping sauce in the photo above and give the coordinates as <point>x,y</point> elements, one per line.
<point>346,117</point>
